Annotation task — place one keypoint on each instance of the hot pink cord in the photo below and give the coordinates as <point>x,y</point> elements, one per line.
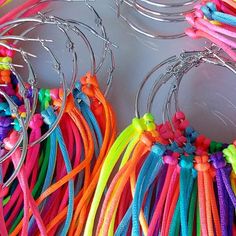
<point>160,205</point>
<point>222,35</point>
<point>31,159</point>
<point>3,228</point>
<point>28,199</point>
<point>201,34</point>
<point>169,198</point>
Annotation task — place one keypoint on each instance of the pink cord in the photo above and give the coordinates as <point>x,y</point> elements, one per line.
<point>160,205</point>
<point>3,193</point>
<point>31,159</point>
<point>28,199</point>
<point>3,228</point>
<point>222,35</point>
<point>196,24</point>
<point>200,34</point>
<point>169,199</point>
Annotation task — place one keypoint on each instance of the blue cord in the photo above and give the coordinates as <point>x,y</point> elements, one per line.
<point>211,13</point>
<point>144,173</point>
<point>49,118</point>
<point>186,182</point>
<point>146,177</point>
<point>50,170</point>
<point>81,102</point>
<point>51,161</point>
<point>148,203</point>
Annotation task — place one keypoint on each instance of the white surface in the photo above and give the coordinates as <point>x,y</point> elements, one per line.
<point>205,90</point>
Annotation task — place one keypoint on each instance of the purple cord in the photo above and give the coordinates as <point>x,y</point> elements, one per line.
<point>225,191</point>
<point>221,197</point>
<point>225,172</point>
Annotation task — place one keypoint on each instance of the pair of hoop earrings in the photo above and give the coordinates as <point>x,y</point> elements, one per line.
<point>171,180</point>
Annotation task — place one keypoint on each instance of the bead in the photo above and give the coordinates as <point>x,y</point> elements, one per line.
<point>170,160</point>
<point>17,126</point>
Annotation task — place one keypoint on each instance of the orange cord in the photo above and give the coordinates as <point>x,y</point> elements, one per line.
<point>140,150</point>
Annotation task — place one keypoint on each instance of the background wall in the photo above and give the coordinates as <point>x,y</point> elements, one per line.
<point>207,93</point>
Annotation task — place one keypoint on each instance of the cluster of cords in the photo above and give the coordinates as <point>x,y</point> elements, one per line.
<point>215,20</point>
<point>171,180</point>
<point>65,166</point>
<point>70,158</point>
<point>10,127</point>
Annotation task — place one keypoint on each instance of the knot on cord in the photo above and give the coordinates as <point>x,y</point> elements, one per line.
<point>79,95</point>
<point>171,158</point>
<point>146,123</point>
<point>45,97</point>
<point>218,160</point>
<point>209,10</point>
<point>11,141</point>
<point>202,164</point>
<point>49,116</point>
<point>179,121</point>
<point>36,122</point>
<point>89,84</point>
<point>230,156</point>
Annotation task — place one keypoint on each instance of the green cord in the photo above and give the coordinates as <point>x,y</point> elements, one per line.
<point>38,186</point>
<point>6,200</point>
<point>44,100</point>
<point>192,209</point>
<point>215,147</point>
<point>198,221</point>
